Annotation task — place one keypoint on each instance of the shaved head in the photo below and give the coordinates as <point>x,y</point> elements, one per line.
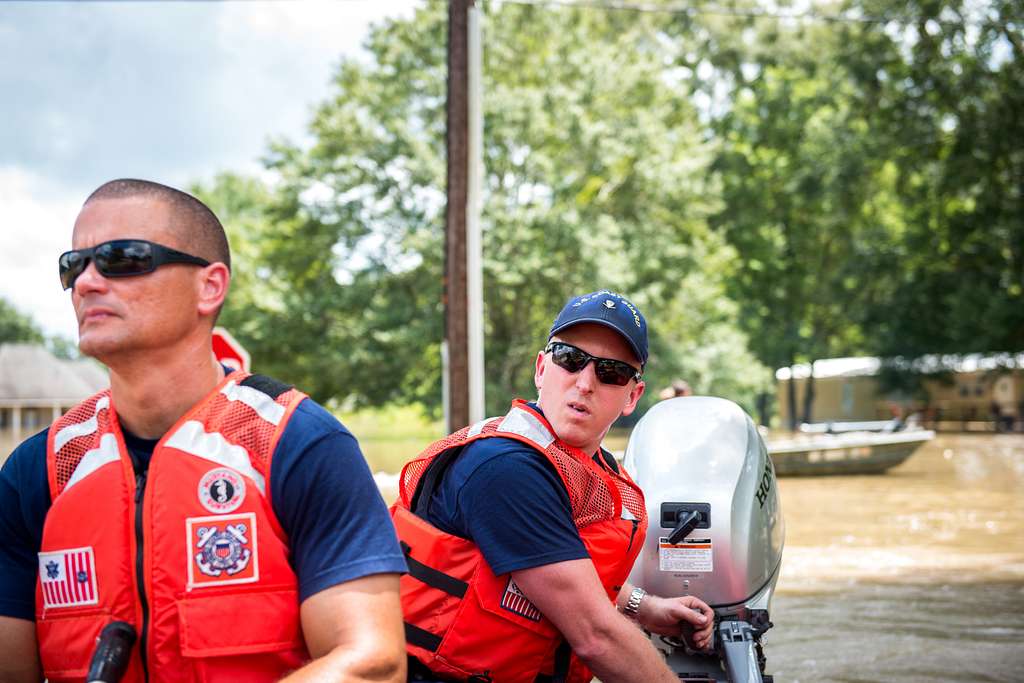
<point>193,222</point>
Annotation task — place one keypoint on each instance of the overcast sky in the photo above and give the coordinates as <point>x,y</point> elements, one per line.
<point>173,92</point>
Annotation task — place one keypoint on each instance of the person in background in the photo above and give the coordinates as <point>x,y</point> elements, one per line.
<point>520,531</point>
<point>679,387</point>
<point>226,517</point>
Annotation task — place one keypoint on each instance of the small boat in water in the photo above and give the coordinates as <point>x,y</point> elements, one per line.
<point>845,452</point>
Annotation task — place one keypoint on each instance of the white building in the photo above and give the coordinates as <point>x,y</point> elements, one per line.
<point>36,388</point>
<point>958,392</point>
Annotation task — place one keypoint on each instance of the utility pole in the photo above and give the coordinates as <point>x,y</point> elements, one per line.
<point>462,352</point>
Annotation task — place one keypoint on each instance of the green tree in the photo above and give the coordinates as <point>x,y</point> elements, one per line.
<point>598,181</point>
<point>591,182</point>
<point>948,90</point>
<point>870,177</point>
<point>16,326</point>
<point>801,177</point>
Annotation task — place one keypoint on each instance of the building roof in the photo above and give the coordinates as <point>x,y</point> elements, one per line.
<point>29,373</point>
<point>866,366</point>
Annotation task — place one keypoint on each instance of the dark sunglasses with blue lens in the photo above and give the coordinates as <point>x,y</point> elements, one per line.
<point>121,258</point>
<point>608,370</point>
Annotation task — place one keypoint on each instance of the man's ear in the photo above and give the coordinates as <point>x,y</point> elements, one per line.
<point>213,288</point>
<point>634,397</point>
<point>538,371</point>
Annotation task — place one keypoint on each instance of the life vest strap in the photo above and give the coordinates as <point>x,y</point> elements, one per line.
<point>431,480</point>
<point>268,385</point>
<point>434,578</point>
<point>563,657</point>
<point>414,635</point>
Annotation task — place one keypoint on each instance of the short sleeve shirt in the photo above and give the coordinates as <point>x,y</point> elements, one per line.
<point>323,494</point>
<point>508,499</point>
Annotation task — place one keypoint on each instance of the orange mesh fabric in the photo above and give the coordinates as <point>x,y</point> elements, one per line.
<point>414,469</point>
<point>632,498</point>
<point>589,493</point>
<point>241,425</point>
<point>71,454</point>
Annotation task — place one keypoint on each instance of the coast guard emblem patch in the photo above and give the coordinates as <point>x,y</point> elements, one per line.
<point>68,578</point>
<point>514,601</point>
<point>222,550</point>
<point>221,490</point>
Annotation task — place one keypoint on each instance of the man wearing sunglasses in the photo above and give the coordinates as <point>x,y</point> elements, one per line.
<point>520,531</point>
<point>228,519</point>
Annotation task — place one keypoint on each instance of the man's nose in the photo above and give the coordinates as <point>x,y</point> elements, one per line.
<point>586,379</point>
<point>89,280</point>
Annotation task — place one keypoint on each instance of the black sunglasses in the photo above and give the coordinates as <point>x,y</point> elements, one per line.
<point>608,370</point>
<point>121,258</point>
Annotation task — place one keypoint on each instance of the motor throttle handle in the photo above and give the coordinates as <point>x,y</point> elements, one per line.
<point>113,650</point>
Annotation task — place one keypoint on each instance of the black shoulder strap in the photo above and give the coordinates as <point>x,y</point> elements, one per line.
<point>609,460</point>
<point>268,385</point>
<point>431,479</point>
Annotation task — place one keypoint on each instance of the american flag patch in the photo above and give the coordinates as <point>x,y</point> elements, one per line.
<point>68,578</point>
<point>514,601</point>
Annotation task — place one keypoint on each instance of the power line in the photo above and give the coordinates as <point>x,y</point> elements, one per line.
<point>714,10</point>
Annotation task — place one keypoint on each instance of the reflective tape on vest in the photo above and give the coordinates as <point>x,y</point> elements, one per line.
<point>212,446</point>
<point>73,431</point>
<point>94,459</point>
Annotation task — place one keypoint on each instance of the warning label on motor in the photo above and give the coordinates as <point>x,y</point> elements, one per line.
<point>690,555</point>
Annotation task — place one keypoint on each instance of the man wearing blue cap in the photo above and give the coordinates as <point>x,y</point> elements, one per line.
<point>520,531</point>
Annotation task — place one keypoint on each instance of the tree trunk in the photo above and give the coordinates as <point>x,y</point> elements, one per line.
<point>763,415</point>
<point>791,397</point>
<point>809,397</point>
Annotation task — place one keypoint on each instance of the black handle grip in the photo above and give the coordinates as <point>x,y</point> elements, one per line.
<point>684,527</point>
<point>113,650</point>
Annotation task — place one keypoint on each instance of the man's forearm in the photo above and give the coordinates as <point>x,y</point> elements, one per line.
<point>623,597</point>
<point>346,666</point>
<point>570,595</point>
<point>622,653</point>
<point>19,654</point>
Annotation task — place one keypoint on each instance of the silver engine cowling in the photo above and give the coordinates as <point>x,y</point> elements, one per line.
<point>715,527</point>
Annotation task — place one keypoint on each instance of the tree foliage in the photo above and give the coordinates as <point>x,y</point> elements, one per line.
<point>16,326</point>
<point>591,182</point>
<point>768,191</point>
<point>870,183</point>
<point>947,89</point>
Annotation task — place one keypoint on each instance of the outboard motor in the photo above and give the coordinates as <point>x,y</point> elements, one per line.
<point>715,528</point>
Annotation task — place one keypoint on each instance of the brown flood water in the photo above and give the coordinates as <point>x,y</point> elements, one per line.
<point>912,576</point>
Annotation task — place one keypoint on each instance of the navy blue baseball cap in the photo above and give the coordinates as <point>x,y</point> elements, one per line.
<point>611,310</point>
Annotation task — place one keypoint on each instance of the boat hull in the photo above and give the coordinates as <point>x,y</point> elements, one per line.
<point>864,453</point>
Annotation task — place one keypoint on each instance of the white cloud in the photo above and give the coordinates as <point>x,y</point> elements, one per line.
<point>174,92</point>
<point>36,229</point>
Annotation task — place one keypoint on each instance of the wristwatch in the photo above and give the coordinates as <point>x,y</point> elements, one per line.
<point>632,606</point>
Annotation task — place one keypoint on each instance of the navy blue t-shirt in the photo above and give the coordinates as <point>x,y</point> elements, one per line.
<point>321,489</point>
<point>509,500</point>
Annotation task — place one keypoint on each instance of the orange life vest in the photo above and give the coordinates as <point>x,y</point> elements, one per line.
<point>189,552</point>
<point>461,620</point>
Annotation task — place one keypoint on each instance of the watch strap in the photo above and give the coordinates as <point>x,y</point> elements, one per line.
<point>632,606</point>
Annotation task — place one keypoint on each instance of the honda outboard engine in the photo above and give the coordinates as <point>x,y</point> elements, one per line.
<point>715,529</point>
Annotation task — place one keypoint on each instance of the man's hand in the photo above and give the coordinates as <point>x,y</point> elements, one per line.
<point>675,616</point>
<point>354,632</point>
